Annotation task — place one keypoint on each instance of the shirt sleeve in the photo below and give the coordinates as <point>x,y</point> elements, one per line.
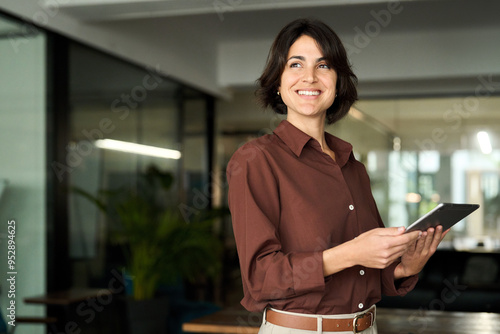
<point>254,201</point>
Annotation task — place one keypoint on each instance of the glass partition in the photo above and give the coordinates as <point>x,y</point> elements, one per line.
<point>114,106</point>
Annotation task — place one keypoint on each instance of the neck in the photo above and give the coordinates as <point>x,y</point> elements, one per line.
<point>314,127</point>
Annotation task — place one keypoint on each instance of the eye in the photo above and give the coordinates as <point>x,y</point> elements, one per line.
<point>324,65</point>
<point>295,65</point>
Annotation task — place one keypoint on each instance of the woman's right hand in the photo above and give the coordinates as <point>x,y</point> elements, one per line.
<point>380,247</point>
<point>377,248</point>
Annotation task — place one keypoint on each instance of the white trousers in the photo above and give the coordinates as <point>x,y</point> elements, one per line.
<point>269,328</point>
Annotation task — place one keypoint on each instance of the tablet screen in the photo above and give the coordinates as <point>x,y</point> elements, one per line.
<point>445,214</point>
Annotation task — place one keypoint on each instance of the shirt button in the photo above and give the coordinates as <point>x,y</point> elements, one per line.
<point>361,272</point>
<point>351,207</point>
<point>360,305</point>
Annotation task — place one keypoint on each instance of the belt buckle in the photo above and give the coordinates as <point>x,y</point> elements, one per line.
<point>360,316</point>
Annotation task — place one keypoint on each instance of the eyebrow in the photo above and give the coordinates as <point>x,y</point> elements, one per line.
<point>303,59</point>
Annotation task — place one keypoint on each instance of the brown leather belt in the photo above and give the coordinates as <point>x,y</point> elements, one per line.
<point>355,325</point>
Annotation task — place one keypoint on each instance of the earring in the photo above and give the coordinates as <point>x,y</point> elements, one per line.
<point>278,92</point>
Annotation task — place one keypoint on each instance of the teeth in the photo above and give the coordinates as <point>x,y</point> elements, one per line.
<point>308,92</point>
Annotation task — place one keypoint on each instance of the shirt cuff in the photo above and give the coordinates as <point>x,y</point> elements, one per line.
<point>400,287</point>
<point>308,276</point>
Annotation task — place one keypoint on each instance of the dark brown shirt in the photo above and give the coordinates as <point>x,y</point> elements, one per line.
<point>289,202</point>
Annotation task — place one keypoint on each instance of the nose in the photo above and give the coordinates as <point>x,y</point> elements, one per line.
<point>309,75</point>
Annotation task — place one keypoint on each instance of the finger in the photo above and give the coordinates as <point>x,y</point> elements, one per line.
<point>416,246</point>
<point>420,245</point>
<point>438,233</point>
<point>391,230</point>
<point>438,237</point>
<point>407,239</point>
<point>415,235</point>
<point>429,239</point>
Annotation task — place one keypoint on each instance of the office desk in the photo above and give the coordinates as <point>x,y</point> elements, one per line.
<point>389,321</point>
<point>67,297</point>
<point>73,308</point>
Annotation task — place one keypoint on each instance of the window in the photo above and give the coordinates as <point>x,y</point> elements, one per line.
<point>433,155</point>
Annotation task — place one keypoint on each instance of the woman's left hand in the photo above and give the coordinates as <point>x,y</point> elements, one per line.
<point>413,261</point>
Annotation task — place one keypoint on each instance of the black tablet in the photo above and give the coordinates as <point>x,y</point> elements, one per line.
<point>445,214</point>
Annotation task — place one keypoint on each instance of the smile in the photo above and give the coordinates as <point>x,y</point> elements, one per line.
<point>309,92</point>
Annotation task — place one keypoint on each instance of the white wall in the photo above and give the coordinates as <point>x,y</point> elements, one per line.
<point>23,164</point>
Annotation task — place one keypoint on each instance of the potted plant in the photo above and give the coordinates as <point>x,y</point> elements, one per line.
<point>159,246</point>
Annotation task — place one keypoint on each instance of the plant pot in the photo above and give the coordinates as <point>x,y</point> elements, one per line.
<point>147,316</point>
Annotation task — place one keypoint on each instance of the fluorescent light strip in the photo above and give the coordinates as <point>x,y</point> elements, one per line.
<point>484,142</point>
<point>123,146</point>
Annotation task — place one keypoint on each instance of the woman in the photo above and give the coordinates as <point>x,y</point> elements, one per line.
<point>314,253</point>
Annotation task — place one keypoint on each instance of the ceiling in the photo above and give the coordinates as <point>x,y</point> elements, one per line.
<point>235,19</point>
<point>202,26</point>
<point>215,22</point>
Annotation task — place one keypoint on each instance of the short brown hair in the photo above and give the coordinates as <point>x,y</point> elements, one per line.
<point>332,50</point>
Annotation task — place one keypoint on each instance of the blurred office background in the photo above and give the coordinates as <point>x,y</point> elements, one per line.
<point>181,75</point>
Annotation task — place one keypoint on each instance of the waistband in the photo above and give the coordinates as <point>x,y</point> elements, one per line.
<point>355,322</point>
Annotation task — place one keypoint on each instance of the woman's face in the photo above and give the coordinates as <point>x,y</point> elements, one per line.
<point>307,83</point>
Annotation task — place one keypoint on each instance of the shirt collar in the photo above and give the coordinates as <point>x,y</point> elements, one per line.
<point>296,140</point>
